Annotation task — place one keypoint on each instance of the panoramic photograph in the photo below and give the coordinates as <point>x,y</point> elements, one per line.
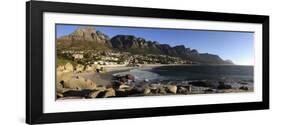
<point>113,61</point>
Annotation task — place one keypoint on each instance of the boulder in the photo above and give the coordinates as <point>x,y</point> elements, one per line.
<point>79,93</point>
<point>130,77</point>
<point>209,91</point>
<point>60,68</point>
<point>126,91</point>
<point>79,83</point>
<point>123,79</point>
<point>182,90</point>
<point>201,83</point>
<point>94,93</point>
<point>123,86</point>
<point>172,89</point>
<point>162,90</point>
<point>138,89</point>
<point>109,93</point>
<point>100,88</point>
<point>59,95</point>
<point>224,86</point>
<point>146,91</point>
<point>154,89</point>
<point>68,67</point>
<point>101,92</point>
<point>244,88</point>
<point>79,68</point>
<point>116,84</point>
<point>59,87</point>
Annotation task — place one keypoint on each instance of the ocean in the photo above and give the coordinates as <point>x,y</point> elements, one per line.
<point>206,72</point>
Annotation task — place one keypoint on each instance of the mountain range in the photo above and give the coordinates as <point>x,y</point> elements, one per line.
<point>89,38</point>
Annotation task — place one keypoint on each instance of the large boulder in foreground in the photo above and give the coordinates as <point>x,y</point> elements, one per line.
<point>78,83</point>
<point>110,92</point>
<point>172,88</point>
<point>77,93</point>
<point>146,91</point>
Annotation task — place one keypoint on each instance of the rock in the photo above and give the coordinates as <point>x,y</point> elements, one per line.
<point>103,69</point>
<point>122,79</point>
<point>172,88</point>
<point>201,83</point>
<point>130,77</point>
<point>60,68</point>
<point>183,90</point>
<point>100,88</point>
<point>59,95</point>
<point>89,68</point>
<point>79,83</point>
<point>109,93</point>
<point>102,93</point>
<point>209,91</point>
<point>129,91</point>
<point>138,89</point>
<point>125,87</point>
<point>73,93</point>
<point>162,91</point>
<point>71,97</point>
<point>94,94</point>
<point>189,88</point>
<point>153,89</point>
<point>79,68</point>
<point>146,91</point>
<point>68,67</point>
<point>244,88</point>
<point>116,84</point>
<point>224,86</point>
<point>59,87</point>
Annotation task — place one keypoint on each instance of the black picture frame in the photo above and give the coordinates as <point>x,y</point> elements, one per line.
<point>34,61</point>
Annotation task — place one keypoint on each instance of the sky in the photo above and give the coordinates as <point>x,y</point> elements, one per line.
<point>236,46</point>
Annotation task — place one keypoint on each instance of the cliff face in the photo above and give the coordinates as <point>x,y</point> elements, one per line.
<point>140,45</point>
<point>89,38</point>
<point>84,38</point>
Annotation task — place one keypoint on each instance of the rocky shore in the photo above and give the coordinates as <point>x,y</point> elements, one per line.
<point>72,85</point>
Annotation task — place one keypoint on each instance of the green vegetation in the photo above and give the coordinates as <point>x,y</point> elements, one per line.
<point>62,61</point>
<point>81,45</point>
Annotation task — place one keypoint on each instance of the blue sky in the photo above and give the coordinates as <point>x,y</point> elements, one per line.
<point>236,46</point>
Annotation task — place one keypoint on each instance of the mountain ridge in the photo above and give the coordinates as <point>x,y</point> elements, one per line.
<point>90,38</point>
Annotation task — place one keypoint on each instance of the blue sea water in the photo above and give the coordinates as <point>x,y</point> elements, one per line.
<point>206,72</point>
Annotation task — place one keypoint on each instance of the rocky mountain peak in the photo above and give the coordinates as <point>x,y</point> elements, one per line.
<point>85,30</point>
<point>86,36</point>
<point>84,33</point>
<point>89,37</point>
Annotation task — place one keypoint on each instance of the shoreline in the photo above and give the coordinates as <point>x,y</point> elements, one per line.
<point>140,82</point>
<point>114,69</point>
